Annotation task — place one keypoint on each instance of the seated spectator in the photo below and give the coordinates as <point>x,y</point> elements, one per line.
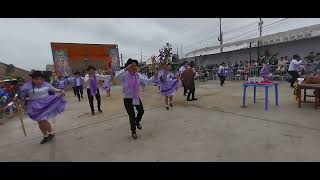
<point>265,71</point>
<point>281,66</point>
<point>241,64</point>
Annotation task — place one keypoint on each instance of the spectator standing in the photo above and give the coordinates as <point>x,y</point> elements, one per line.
<point>294,68</point>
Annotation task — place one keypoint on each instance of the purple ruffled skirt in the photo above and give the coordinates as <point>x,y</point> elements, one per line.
<point>46,108</point>
<point>169,87</point>
<point>106,86</point>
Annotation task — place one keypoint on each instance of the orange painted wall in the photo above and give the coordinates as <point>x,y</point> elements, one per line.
<point>78,52</point>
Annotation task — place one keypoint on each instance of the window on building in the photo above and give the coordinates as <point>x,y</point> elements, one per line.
<point>285,39</point>
<point>278,40</point>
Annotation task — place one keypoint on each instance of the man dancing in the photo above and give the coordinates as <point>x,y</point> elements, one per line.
<point>131,80</point>
<point>188,79</point>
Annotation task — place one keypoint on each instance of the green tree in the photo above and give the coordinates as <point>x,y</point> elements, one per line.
<point>165,53</point>
<point>10,70</point>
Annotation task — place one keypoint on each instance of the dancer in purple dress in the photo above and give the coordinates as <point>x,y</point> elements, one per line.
<point>265,72</point>
<point>62,83</point>
<point>131,93</point>
<point>169,84</point>
<point>41,106</point>
<point>107,83</point>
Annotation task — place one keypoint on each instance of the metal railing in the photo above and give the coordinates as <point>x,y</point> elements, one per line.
<point>278,72</point>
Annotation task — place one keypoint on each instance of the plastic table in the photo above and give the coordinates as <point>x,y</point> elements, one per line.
<point>266,93</point>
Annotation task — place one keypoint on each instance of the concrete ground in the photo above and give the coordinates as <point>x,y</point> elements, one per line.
<point>214,128</point>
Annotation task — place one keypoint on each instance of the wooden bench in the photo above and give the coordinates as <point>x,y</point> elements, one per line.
<point>315,87</point>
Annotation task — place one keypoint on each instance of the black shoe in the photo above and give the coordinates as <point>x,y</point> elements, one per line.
<point>82,97</point>
<point>50,137</point>
<point>167,108</point>
<point>79,100</point>
<point>194,99</point>
<point>44,140</point>
<point>185,94</point>
<point>134,135</point>
<point>171,105</point>
<point>100,111</point>
<point>92,113</point>
<point>139,126</point>
<point>189,100</point>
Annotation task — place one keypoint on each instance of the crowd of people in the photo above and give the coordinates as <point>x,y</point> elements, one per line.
<point>45,99</point>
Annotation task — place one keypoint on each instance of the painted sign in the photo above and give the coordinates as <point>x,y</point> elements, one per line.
<point>61,64</point>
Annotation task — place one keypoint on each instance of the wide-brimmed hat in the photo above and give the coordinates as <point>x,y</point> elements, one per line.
<point>91,67</point>
<point>35,74</point>
<point>130,61</point>
<point>77,73</point>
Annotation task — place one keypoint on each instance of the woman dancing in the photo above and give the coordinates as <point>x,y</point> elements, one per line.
<point>107,83</point>
<point>168,84</point>
<point>41,106</point>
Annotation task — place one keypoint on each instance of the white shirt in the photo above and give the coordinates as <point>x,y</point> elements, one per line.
<point>143,80</point>
<point>222,70</point>
<point>78,81</point>
<point>294,65</point>
<point>181,70</point>
<point>98,77</point>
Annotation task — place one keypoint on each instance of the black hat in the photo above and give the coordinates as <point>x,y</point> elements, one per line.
<point>77,73</point>
<point>35,74</point>
<point>130,61</point>
<point>136,62</point>
<point>91,67</point>
<point>296,56</point>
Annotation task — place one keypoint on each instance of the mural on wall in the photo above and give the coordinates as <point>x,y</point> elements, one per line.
<point>61,64</point>
<point>114,55</point>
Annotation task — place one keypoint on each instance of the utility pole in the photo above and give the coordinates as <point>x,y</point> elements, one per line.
<point>121,60</point>
<point>181,51</point>
<point>250,51</point>
<point>260,31</point>
<point>177,52</point>
<point>220,38</point>
<point>141,56</point>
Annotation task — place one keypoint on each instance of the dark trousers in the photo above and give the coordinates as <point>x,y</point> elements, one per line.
<point>74,91</point>
<point>185,90</point>
<point>91,99</point>
<point>134,120</point>
<point>222,79</point>
<point>79,91</point>
<point>294,75</point>
<point>191,92</point>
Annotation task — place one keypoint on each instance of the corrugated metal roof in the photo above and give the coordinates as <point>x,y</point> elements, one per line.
<point>308,32</point>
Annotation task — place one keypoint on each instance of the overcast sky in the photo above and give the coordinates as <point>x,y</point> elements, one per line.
<point>26,42</point>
